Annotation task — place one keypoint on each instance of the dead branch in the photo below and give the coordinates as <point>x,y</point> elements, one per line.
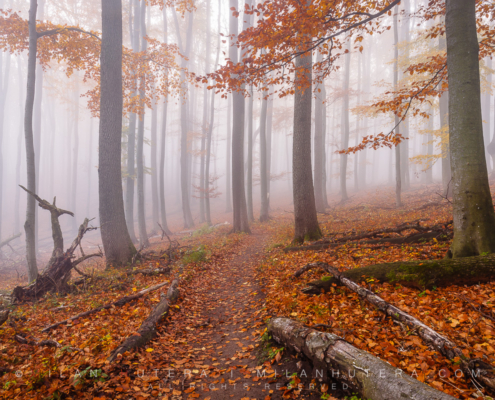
<point>118,303</point>
<point>475,368</point>
<point>10,239</point>
<point>147,331</point>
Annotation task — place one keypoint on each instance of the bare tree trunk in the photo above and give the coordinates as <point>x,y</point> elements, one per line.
<point>134,23</point>
<point>358,127</point>
<point>30,224</point>
<point>269,135</point>
<point>4,87</point>
<point>90,168</point>
<point>249,177</point>
<point>154,165</point>
<point>306,220</point>
<point>318,146</point>
<point>75,158</point>
<point>117,243</point>
<point>429,139</point>
<point>228,206</point>
<point>345,123</point>
<point>163,211</point>
<point>264,213</point>
<point>184,164</point>
<point>143,234</point>
<point>212,118</point>
<point>398,175</point>
<point>38,96</point>
<point>474,217</point>
<point>240,218</point>
<point>405,175</point>
<point>486,113</point>
<point>444,123</point>
<point>17,212</point>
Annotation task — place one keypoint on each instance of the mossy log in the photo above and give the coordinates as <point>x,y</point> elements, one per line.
<point>357,370</point>
<point>475,368</point>
<point>423,274</point>
<point>147,331</point>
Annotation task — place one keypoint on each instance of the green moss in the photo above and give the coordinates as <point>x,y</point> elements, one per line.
<point>326,278</point>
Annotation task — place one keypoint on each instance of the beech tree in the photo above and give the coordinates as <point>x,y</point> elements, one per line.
<point>117,243</point>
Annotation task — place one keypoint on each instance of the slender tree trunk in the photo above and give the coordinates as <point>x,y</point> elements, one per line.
<point>249,182</point>
<point>264,213</point>
<point>429,139</point>
<point>358,127</point>
<point>163,210</point>
<point>212,117</point>
<point>154,165</point>
<point>75,158</point>
<point>239,205</point>
<point>17,212</point>
<point>345,124</point>
<point>134,23</point>
<point>90,169</point>
<point>444,123</point>
<point>318,146</point>
<point>143,234</point>
<point>228,207</point>
<point>406,37</point>
<point>184,157</point>
<point>486,113</point>
<point>4,87</point>
<point>398,175</point>
<point>306,220</point>
<point>30,224</point>
<point>38,96</point>
<point>117,243</point>
<point>474,217</point>
<point>269,136</point>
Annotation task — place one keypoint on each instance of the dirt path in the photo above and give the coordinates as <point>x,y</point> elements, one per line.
<point>218,354</point>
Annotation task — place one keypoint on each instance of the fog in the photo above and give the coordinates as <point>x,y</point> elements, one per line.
<point>66,133</point>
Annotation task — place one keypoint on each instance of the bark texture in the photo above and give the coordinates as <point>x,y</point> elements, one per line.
<point>474,217</point>
<point>422,274</point>
<point>114,234</point>
<point>305,217</point>
<point>358,370</point>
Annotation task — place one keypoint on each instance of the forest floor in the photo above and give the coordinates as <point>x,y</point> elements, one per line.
<point>214,345</point>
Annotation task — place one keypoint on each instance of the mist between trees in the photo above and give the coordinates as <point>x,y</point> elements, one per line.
<point>199,131</point>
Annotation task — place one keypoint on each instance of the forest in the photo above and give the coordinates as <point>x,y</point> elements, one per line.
<point>247,199</point>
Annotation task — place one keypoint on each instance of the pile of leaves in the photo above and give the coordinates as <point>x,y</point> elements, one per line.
<point>466,315</point>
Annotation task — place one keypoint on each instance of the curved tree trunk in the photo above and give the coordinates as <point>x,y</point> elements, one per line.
<point>474,217</point>
<point>305,217</point>
<point>117,243</point>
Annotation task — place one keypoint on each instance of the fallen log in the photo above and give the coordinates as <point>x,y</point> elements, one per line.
<point>43,343</point>
<point>150,271</point>
<point>357,370</point>
<point>422,274</point>
<point>477,369</point>
<point>118,303</point>
<point>147,331</point>
<point>7,241</point>
<point>4,316</point>
<point>57,274</point>
<point>414,238</point>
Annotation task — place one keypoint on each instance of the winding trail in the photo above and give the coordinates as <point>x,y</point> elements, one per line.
<point>211,348</point>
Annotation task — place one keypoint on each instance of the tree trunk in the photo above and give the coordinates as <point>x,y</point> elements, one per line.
<point>184,164</point>
<point>30,224</point>
<point>134,23</point>
<point>163,210</point>
<point>345,123</point>
<point>318,146</point>
<point>75,152</point>
<point>486,114</point>
<point>4,87</point>
<point>423,274</point>
<point>212,119</point>
<point>447,183</point>
<point>406,37</point>
<point>239,205</point>
<point>264,212</point>
<point>357,370</point>
<point>90,167</point>
<point>249,178</point>
<point>143,234</point>
<point>305,217</point>
<point>154,165</point>
<point>474,217</point>
<point>429,151</point>
<point>228,187</point>
<point>17,211</point>
<point>398,175</point>
<point>117,243</point>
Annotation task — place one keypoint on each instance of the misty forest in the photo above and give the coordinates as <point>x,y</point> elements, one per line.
<point>247,199</point>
